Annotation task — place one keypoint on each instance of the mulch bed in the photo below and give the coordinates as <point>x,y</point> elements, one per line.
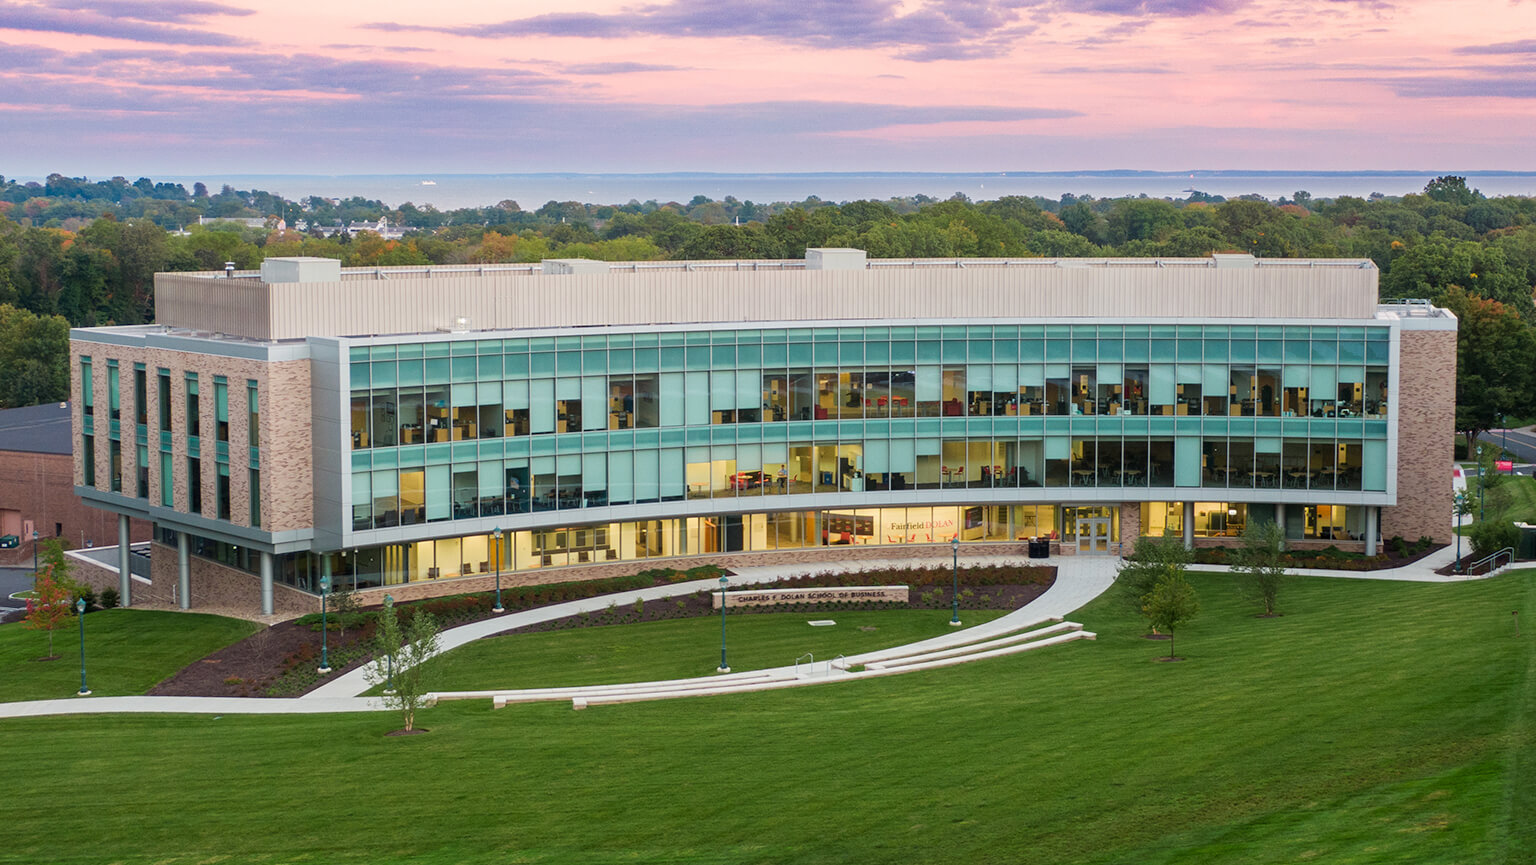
<point>256,666</point>
<point>1388,558</point>
<point>1466,567</point>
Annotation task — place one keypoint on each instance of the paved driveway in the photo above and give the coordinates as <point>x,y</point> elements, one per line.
<point>13,580</point>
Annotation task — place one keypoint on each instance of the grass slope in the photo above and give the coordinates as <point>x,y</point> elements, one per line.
<point>126,652</point>
<point>1374,722</point>
<point>681,648</point>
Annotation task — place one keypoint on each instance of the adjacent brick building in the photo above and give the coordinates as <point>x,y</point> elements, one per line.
<point>37,486</point>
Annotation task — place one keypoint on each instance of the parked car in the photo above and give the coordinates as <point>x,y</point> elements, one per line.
<point>9,542</point>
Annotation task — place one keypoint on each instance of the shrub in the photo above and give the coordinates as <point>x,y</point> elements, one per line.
<point>1490,536</point>
<point>87,594</point>
<point>109,599</point>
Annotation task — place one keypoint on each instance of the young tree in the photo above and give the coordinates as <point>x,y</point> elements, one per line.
<point>344,607</point>
<point>1154,558</point>
<point>400,656</point>
<point>1171,603</point>
<point>49,608</point>
<point>1261,560</point>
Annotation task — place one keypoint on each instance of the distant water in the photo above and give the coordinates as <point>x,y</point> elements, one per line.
<point>531,191</point>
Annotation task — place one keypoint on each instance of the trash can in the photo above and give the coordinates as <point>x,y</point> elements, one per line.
<point>1039,548</point>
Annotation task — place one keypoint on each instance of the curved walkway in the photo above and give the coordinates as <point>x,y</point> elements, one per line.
<point>1079,579</point>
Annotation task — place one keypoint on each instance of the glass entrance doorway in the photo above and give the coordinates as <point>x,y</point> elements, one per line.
<point>1093,534</point>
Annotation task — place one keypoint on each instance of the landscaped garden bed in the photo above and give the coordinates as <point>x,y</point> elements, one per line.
<point>281,661</point>
<point>1396,553</point>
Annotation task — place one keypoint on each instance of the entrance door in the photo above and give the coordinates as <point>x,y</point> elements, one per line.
<point>1093,535</point>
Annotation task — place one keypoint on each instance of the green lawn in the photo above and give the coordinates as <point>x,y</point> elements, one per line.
<point>1511,499</point>
<point>126,652</point>
<point>681,648</point>
<point>1375,722</point>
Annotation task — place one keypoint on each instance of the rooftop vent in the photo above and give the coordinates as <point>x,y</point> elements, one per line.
<point>300,269</point>
<point>1234,259</point>
<point>835,259</point>
<point>567,266</point>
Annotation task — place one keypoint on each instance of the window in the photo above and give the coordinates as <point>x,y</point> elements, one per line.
<point>255,498</point>
<point>223,491</point>
<point>253,415</point>
<point>141,468</point>
<point>221,409</point>
<point>140,395</point>
<point>115,464</point>
<point>88,459</point>
<point>114,399</point>
<point>194,485</point>
<point>194,423</point>
<point>87,390</point>
<point>167,483</point>
<point>163,391</point>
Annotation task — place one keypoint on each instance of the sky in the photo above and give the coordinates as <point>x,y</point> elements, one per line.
<point>146,87</point>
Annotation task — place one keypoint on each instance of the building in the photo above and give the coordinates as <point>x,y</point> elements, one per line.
<point>384,425</point>
<point>37,487</point>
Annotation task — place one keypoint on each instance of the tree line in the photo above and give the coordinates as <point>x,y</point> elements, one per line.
<point>88,251</point>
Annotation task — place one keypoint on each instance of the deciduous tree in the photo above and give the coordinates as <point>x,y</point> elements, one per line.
<point>1171,603</point>
<point>1260,561</point>
<point>49,608</point>
<point>1153,559</point>
<point>1495,353</point>
<point>400,656</point>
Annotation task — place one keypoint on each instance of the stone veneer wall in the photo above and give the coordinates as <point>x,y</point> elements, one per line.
<point>220,587</point>
<point>285,442</point>
<point>1426,427</point>
<point>1130,526</point>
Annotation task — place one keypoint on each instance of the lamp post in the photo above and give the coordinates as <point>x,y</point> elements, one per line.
<point>80,609</point>
<point>954,548</point>
<point>498,608</point>
<point>325,656</point>
<point>724,667</point>
<point>34,551</point>
<point>1462,506</point>
<point>1479,483</point>
<point>389,659</point>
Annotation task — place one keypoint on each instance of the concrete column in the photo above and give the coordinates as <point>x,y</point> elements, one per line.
<point>183,571</point>
<point>1189,525</point>
<point>1280,521</point>
<point>266,583</point>
<point>1371,514</point>
<point>124,567</point>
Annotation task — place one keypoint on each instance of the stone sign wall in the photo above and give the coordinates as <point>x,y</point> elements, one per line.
<point>769,597</point>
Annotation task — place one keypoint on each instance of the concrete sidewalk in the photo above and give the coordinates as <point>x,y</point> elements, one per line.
<point>188,706</point>
<point>1066,595</point>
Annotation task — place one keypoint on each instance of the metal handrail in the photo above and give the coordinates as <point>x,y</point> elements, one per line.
<point>811,665</point>
<point>1510,551</point>
<point>832,664</point>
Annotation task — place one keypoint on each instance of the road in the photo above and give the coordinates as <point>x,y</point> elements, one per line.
<point>13,580</point>
<point>1520,442</point>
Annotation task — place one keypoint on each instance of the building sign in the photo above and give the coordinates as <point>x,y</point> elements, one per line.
<point>855,594</point>
<point>1505,465</point>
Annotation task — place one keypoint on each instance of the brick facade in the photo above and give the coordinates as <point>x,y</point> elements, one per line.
<point>1426,427</point>
<point>285,441</point>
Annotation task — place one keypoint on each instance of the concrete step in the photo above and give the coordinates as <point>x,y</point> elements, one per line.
<point>714,688</point>
<point>977,648</point>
